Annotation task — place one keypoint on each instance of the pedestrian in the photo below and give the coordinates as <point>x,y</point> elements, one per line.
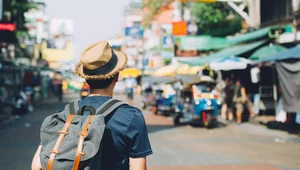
<point>131,84</point>
<point>240,99</point>
<point>226,111</point>
<point>58,82</point>
<point>125,143</point>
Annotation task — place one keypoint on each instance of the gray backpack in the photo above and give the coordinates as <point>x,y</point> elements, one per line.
<point>71,140</point>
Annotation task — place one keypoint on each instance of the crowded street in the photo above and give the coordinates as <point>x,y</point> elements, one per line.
<point>150,85</point>
<point>248,146</point>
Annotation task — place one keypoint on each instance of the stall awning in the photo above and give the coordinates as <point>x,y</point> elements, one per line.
<point>169,70</point>
<point>210,43</point>
<point>236,50</point>
<point>266,51</point>
<point>290,53</point>
<point>249,36</point>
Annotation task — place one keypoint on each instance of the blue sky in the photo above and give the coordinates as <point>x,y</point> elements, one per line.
<point>94,20</point>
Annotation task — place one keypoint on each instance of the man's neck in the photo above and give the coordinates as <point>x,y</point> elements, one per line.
<point>102,92</point>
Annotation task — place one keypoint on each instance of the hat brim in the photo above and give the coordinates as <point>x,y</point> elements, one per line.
<point>122,61</point>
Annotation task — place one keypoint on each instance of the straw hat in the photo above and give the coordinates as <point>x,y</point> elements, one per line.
<point>99,61</point>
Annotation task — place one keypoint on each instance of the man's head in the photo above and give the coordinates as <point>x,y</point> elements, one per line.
<point>227,80</point>
<point>100,65</point>
<point>102,84</point>
<point>238,81</point>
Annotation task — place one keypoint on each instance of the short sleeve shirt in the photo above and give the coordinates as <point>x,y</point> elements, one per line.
<point>125,135</point>
<point>130,82</point>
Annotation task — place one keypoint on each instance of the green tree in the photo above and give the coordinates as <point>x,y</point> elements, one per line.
<point>216,19</point>
<point>17,8</point>
<point>152,7</point>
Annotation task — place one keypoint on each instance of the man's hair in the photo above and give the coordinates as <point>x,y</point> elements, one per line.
<point>100,84</point>
<point>238,80</point>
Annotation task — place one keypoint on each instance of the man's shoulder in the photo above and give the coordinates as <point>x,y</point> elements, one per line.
<point>126,108</point>
<point>97,101</point>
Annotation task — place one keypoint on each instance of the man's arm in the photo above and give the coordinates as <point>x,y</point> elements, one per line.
<point>36,163</point>
<point>138,163</point>
<point>244,96</point>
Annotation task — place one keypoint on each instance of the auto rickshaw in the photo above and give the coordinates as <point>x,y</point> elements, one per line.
<point>147,95</point>
<point>198,101</point>
<point>164,95</point>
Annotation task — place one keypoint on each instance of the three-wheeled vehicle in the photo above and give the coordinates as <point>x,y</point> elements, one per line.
<point>197,101</point>
<point>147,95</point>
<point>164,95</point>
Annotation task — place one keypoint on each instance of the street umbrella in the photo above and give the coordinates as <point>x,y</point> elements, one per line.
<point>133,72</point>
<point>230,63</point>
<point>266,51</point>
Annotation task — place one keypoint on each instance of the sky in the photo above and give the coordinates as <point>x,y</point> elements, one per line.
<point>94,20</point>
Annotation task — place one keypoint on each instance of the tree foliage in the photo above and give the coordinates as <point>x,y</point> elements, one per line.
<point>17,9</point>
<point>152,7</point>
<point>216,19</point>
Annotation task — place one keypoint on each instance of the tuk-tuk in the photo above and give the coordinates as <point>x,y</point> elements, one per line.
<point>164,94</point>
<point>197,101</point>
<point>147,95</point>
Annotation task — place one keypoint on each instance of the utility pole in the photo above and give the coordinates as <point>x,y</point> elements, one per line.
<point>1,9</point>
<point>252,18</point>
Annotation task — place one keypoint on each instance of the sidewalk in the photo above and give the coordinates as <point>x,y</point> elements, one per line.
<point>9,119</point>
<point>262,119</point>
<point>270,122</point>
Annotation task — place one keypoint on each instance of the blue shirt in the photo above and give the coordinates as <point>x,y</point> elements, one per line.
<point>125,135</point>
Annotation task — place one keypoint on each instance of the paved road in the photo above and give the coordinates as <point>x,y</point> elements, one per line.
<point>231,147</point>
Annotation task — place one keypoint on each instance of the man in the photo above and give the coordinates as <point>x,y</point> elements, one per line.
<point>58,82</point>
<point>240,99</point>
<point>130,83</point>
<point>228,97</point>
<point>125,143</point>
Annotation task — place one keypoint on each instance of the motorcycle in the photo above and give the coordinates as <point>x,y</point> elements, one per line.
<point>84,91</point>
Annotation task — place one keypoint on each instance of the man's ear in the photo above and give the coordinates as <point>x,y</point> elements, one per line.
<point>117,77</point>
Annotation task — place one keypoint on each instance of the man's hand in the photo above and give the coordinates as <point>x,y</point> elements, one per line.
<point>36,163</point>
<point>138,163</point>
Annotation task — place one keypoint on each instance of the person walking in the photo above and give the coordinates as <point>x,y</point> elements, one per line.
<point>226,111</point>
<point>240,99</point>
<point>58,82</point>
<point>125,143</point>
<point>131,84</point>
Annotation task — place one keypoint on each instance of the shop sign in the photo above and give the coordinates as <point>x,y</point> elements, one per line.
<point>202,43</point>
<point>168,41</point>
<point>134,31</point>
<point>7,27</point>
<point>179,28</point>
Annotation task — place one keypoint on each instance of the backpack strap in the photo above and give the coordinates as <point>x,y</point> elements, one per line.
<point>109,106</point>
<point>114,105</point>
<point>72,108</point>
<point>62,133</point>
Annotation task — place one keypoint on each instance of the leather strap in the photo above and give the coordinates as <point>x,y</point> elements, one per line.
<point>62,134</point>
<point>82,135</point>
